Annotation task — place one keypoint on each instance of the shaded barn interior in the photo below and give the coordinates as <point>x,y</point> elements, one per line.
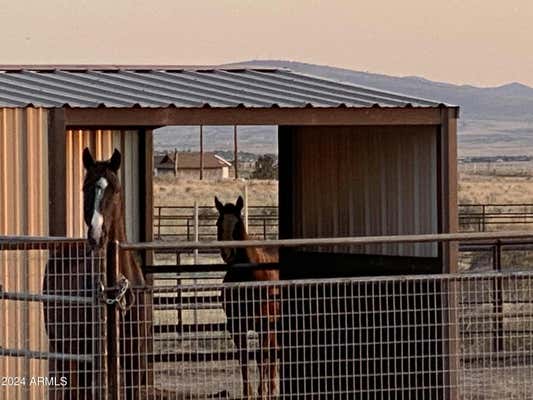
<point>367,181</point>
<point>352,162</point>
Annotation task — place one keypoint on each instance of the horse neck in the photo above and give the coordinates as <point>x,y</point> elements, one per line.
<point>117,232</point>
<point>117,228</point>
<point>251,254</point>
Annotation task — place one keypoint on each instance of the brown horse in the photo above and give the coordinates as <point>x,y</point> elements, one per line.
<point>75,330</point>
<point>250,309</point>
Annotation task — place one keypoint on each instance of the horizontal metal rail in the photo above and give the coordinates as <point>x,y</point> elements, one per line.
<point>43,355</point>
<point>404,279</point>
<point>155,269</point>
<point>337,241</point>
<point>45,298</point>
<point>37,242</point>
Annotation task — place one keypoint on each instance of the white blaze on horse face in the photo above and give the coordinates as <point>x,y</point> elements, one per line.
<point>97,221</point>
<point>228,226</point>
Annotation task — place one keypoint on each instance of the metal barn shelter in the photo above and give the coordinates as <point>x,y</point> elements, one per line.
<point>353,161</point>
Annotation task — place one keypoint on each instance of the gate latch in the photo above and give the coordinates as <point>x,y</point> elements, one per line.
<point>120,299</point>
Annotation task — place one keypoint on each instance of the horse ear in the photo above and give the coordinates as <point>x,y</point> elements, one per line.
<point>218,204</point>
<point>88,160</point>
<point>239,204</point>
<point>114,163</point>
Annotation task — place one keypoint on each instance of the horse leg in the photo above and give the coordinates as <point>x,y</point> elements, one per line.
<point>270,366</point>
<point>273,374</point>
<point>73,373</point>
<point>261,370</point>
<point>267,365</point>
<point>247,389</point>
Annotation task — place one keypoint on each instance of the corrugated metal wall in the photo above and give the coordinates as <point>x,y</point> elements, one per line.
<point>23,171</point>
<point>23,211</point>
<point>102,143</point>
<point>365,181</point>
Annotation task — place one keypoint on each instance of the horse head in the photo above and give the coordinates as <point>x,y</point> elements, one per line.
<point>101,197</point>
<point>230,226</point>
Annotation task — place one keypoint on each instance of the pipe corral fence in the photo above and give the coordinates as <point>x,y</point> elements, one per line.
<point>447,336</point>
<point>177,222</point>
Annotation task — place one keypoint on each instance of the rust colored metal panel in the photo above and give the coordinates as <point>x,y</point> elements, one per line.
<point>23,211</point>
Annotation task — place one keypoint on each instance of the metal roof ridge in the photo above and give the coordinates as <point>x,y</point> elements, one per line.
<point>126,67</point>
<point>373,89</point>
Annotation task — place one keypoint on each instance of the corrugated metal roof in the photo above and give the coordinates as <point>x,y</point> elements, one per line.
<point>78,86</point>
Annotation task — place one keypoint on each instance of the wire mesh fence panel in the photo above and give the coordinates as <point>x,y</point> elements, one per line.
<point>53,324</point>
<point>417,337</point>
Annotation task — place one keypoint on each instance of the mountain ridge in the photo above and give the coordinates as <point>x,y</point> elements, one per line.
<point>494,120</point>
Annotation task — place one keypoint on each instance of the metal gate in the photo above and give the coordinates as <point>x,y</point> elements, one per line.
<point>53,341</point>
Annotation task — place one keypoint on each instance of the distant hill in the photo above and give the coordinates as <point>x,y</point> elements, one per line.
<point>494,120</point>
<point>509,102</point>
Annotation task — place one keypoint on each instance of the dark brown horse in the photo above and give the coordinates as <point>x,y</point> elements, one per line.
<point>247,310</point>
<point>75,271</point>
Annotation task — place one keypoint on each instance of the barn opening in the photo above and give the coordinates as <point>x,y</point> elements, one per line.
<point>193,164</point>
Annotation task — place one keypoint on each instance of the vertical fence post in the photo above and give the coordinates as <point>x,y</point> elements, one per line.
<point>102,366</point>
<point>159,222</point>
<point>235,153</point>
<point>196,238</point>
<point>113,328</point>
<point>201,152</point>
<point>264,228</point>
<point>497,289</point>
<point>196,231</point>
<point>483,222</point>
<point>246,205</point>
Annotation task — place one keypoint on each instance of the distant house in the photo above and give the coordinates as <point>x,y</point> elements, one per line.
<point>187,165</point>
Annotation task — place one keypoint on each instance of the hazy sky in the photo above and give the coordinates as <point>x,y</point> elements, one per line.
<point>481,42</point>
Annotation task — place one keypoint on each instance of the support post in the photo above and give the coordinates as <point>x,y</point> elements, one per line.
<point>235,152</point>
<point>483,217</point>
<point>158,222</point>
<point>196,230</point>
<point>175,162</point>
<point>246,205</point>
<point>448,223</point>
<point>201,152</point>
<point>57,178</point>
<point>113,326</point>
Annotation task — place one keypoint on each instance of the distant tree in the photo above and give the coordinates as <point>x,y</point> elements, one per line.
<point>265,168</point>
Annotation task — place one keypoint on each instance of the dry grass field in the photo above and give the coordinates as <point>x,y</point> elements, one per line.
<point>478,183</point>
<point>169,191</point>
<point>496,183</point>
